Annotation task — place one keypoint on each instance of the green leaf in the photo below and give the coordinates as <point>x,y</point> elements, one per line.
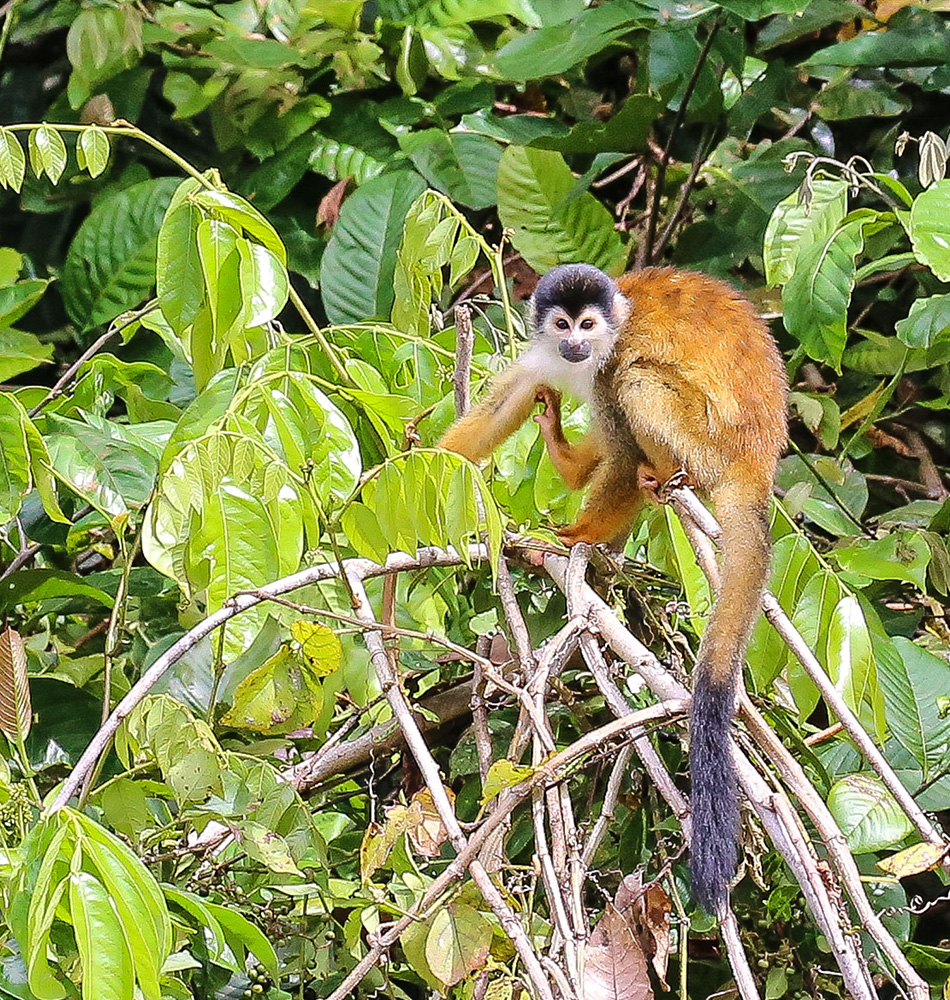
<point>242,936</point>
<point>92,150</point>
<point>849,658</point>
<point>928,228</point>
<point>551,224</point>
<point>47,152</point>
<point>848,99</point>
<point>321,646</point>
<point>136,899</point>
<point>180,279</point>
<point>551,50</point>
<point>15,474</point>
<point>927,321</point>
<point>208,929</point>
<point>899,555</point>
<point>912,684</point>
<point>338,160</point>
<point>267,847</point>
<point>12,160</point>
<point>460,165</point>
<point>277,697</point>
<point>457,943</point>
<point>264,282</point>
<point>103,949</point>
<point>913,37</point>
<point>796,223</point>
<point>867,813</point>
<point>110,266</point>
<point>627,130</point>
<point>501,775</point>
<point>356,273</point>
<point>110,466</point>
<point>18,299</point>
<point>816,298</point>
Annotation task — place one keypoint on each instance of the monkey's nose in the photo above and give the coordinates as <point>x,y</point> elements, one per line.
<point>574,352</point>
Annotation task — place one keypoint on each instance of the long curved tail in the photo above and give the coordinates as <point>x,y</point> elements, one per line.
<point>746,547</point>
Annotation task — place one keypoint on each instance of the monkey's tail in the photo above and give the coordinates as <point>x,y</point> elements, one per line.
<point>746,547</point>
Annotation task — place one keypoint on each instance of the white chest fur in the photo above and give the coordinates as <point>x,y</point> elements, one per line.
<point>576,378</point>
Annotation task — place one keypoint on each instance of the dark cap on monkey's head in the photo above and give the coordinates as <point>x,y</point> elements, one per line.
<point>574,287</point>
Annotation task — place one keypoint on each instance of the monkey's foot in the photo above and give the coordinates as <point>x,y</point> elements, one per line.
<point>678,479</point>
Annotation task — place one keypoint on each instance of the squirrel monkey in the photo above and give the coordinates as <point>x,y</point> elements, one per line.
<point>681,376</point>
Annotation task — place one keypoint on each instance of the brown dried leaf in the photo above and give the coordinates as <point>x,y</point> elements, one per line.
<point>328,211</point>
<point>428,834</point>
<point>16,710</point>
<point>615,967</point>
<point>649,914</point>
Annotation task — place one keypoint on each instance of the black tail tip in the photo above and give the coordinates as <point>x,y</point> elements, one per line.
<point>714,852</point>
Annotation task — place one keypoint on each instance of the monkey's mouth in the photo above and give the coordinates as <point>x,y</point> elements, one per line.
<point>574,352</point>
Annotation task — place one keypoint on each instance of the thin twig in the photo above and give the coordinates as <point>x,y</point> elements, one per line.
<point>396,563</point>
<point>92,349</point>
<point>464,344</point>
<point>646,254</point>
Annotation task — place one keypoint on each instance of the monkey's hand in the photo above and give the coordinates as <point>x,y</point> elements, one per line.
<point>550,420</point>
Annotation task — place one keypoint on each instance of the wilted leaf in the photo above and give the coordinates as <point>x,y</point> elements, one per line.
<point>615,967</point>
<point>428,834</point>
<point>16,713</point>
<point>914,860</point>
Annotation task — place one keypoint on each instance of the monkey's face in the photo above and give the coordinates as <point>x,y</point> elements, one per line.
<point>581,336</point>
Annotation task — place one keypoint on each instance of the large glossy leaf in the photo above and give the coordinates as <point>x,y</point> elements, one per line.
<point>460,165</point>
<point>356,273</point>
<point>551,223</point>
<point>816,298</point>
<point>912,686</point>
<point>110,266</point>
<point>795,223</point>
<point>928,228</point>
<point>867,813</point>
<point>555,49</point>
<point>110,466</point>
<point>927,322</point>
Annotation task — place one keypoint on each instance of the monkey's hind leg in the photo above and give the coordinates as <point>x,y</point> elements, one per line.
<point>575,463</point>
<point>612,505</point>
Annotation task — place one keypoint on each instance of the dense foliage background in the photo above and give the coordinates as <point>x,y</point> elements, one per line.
<point>233,269</point>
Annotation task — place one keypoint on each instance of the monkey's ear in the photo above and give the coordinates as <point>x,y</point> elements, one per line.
<point>621,310</point>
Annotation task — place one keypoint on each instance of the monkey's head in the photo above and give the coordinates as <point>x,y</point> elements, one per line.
<point>581,309</point>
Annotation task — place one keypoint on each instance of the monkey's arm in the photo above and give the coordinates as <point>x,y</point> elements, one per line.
<point>575,463</point>
<point>509,404</point>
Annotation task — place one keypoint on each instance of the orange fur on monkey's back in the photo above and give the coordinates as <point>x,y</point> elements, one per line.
<point>704,334</point>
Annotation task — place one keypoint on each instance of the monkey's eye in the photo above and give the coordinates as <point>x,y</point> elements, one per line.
<point>587,324</point>
<point>562,324</point>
